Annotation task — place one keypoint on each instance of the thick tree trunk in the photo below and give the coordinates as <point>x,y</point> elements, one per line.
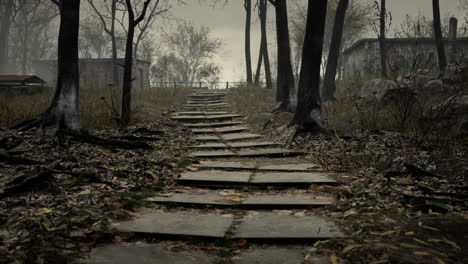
<point>266,58</point>
<point>64,107</point>
<point>452,40</point>
<point>329,85</point>
<point>248,58</point>
<point>438,36</point>
<point>382,39</point>
<point>5,35</point>
<point>308,110</point>
<point>285,76</point>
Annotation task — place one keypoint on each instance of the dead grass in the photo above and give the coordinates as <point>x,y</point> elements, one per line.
<point>249,100</point>
<point>98,107</point>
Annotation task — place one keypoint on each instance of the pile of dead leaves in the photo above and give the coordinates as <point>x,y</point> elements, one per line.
<point>57,200</point>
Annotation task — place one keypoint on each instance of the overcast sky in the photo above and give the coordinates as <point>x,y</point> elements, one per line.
<point>227,24</point>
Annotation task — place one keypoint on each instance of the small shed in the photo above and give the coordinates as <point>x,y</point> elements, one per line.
<point>21,84</point>
<point>20,80</point>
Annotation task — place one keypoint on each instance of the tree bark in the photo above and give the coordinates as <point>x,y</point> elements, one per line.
<point>452,40</point>
<point>264,47</point>
<point>285,76</point>
<point>5,35</point>
<point>115,65</point>
<point>382,39</point>
<point>308,110</point>
<point>259,64</point>
<point>64,107</point>
<point>248,59</point>
<point>438,36</point>
<point>329,85</point>
<point>125,115</point>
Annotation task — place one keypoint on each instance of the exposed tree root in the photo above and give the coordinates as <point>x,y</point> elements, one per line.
<point>16,160</point>
<point>135,138</point>
<point>108,143</point>
<point>26,183</point>
<point>144,130</point>
<point>283,107</point>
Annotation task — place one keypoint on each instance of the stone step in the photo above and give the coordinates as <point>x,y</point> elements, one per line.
<point>179,223</point>
<point>254,225</point>
<point>161,253</point>
<point>272,152</point>
<point>234,145</point>
<point>258,166</point>
<point>228,137</point>
<point>234,198</point>
<point>272,226</point>
<point>255,178</point>
<point>143,253</point>
<point>213,124</point>
<point>233,129</point>
<point>202,113</point>
<point>204,118</point>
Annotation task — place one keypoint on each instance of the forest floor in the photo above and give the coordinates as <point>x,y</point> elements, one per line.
<point>403,200</point>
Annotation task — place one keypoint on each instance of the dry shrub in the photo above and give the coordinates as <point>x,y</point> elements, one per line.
<point>98,107</point>
<point>250,99</point>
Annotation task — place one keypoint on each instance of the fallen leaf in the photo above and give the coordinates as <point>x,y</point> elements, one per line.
<point>87,191</point>
<point>283,212</point>
<point>422,253</point>
<point>350,247</point>
<point>350,212</point>
<point>42,211</point>
<point>333,259</point>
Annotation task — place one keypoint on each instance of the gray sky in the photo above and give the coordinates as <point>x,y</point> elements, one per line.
<point>227,24</point>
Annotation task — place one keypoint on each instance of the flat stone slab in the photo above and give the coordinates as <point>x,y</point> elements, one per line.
<point>213,124</point>
<point>206,198</point>
<point>291,178</point>
<point>225,165</point>
<point>180,223</point>
<point>267,152</point>
<point>207,138</point>
<point>252,144</point>
<point>272,255</point>
<point>143,253</point>
<point>209,197</point>
<point>290,167</point>
<point>233,129</point>
<point>268,225</point>
<point>213,154</point>
<point>198,118</point>
<point>281,200</point>
<point>211,146</point>
<point>302,167</point>
<point>216,176</point>
<point>239,136</point>
<point>197,113</point>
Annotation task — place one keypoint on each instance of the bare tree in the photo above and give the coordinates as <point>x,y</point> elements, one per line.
<point>64,107</point>
<point>438,36</point>
<point>382,38</point>
<point>308,111</point>
<point>263,52</point>
<point>127,78</point>
<point>285,75</point>
<point>248,58</point>
<point>107,19</point>
<point>329,85</point>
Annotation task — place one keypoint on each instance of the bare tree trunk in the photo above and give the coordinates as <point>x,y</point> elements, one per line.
<point>285,76</point>
<point>5,35</point>
<point>329,85</point>
<point>438,36</point>
<point>248,59</point>
<point>382,39</point>
<point>115,69</point>
<point>308,111</point>
<point>125,115</point>
<point>453,39</point>
<point>259,64</point>
<point>264,47</point>
<point>64,107</point>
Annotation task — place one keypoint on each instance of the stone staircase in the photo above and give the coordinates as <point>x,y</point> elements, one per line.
<point>244,188</point>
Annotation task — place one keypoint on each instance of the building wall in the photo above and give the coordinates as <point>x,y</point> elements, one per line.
<point>94,73</point>
<point>403,57</point>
